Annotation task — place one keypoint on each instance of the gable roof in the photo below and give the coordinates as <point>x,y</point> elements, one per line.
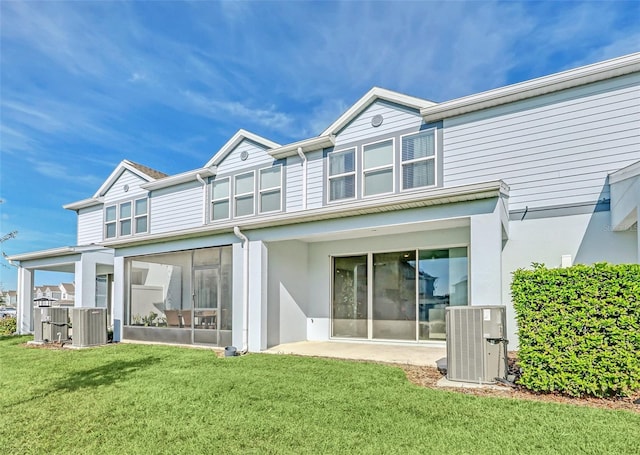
<point>144,172</point>
<point>608,69</point>
<point>376,93</point>
<point>235,140</point>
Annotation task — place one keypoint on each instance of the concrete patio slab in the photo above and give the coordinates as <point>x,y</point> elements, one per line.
<point>377,352</point>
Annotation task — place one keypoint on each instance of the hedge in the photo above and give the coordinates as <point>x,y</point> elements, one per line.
<point>579,329</point>
<point>7,325</point>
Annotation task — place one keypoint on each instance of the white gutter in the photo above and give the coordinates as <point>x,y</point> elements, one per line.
<point>303,157</point>
<point>204,198</point>
<point>245,289</point>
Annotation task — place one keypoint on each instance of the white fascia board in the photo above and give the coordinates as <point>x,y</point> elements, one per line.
<point>57,252</point>
<point>307,145</point>
<point>233,143</point>
<point>633,170</point>
<point>389,203</point>
<point>372,95</point>
<point>90,202</point>
<point>535,87</point>
<point>179,178</point>
<point>117,172</point>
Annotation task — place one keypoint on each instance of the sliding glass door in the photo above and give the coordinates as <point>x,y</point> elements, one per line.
<point>397,295</point>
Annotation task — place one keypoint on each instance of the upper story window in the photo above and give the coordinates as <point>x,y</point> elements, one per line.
<point>342,174</point>
<point>126,218</point>
<point>377,168</point>
<point>418,160</point>
<point>270,189</point>
<point>220,199</point>
<point>244,194</point>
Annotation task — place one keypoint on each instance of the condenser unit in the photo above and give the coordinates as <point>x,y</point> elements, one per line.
<point>50,324</point>
<point>476,344</point>
<point>89,326</point>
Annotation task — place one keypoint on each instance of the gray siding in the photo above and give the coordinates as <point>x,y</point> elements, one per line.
<point>315,179</point>
<point>90,225</point>
<point>233,164</point>
<point>293,185</point>
<point>116,192</point>
<point>176,208</point>
<point>552,150</point>
<point>395,117</point>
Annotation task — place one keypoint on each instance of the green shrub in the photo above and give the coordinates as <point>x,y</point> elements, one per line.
<point>8,326</point>
<point>579,328</point>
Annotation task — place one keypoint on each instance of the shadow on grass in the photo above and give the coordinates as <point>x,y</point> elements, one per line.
<point>103,375</point>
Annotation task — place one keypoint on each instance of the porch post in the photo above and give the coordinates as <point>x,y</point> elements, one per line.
<point>118,297</point>
<point>257,296</point>
<point>25,300</point>
<point>85,274</point>
<point>486,259</point>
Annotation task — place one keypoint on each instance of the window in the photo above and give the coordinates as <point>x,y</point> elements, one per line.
<point>127,218</point>
<point>342,175</point>
<point>377,168</point>
<point>141,224</point>
<point>418,160</point>
<point>220,200</point>
<point>270,189</point>
<point>244,189</point>
<point>110,222</point>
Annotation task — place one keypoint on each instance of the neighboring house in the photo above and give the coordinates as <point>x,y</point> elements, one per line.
<point>321,239</point>
<point>9,298</point>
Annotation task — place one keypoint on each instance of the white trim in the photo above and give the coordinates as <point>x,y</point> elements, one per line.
<point>90,202</point>
<point>535,87</point>
<point>184,177</point>
<point>633,170</point>
<point>369,98</point>
<point>344,174</point>
<point>379,168</point>
<point>235,140</point>
<point>124,165</point>
<point>57,252</point>
<point>417,160</point>
<point>307,145</point>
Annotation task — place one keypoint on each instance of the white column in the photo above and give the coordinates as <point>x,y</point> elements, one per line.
<point>486,259</point>
<point>85,275</point>
<point>257,296</point>
<point>238,295</point>
<point>25,300</point>
<point>118,297</point>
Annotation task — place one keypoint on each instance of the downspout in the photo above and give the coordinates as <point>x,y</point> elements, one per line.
<point>204,198</point>
<point>303,157</point>
<point>245,289</point>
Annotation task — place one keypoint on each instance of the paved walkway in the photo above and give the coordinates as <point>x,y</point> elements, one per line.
<point>378,352</point>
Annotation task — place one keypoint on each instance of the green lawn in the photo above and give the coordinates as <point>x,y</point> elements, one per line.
<point>156,399</point>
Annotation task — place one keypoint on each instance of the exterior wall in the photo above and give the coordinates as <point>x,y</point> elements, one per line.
<point>288,279</point>
<point>587,238</point>
<point>90,225</point>
<point>319,288</point>
<point>232,163</point>
<point>117,193</point>
<point>315,179</point>
<point>395,118</point>
<point>176,208</point>
<point>293,184</point>
<point>551,150</point>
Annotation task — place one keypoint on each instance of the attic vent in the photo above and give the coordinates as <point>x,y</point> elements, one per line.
<point>376,120</point>
<point>244,155</point>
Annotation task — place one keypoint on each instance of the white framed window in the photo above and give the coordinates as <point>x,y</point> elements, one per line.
<point>220,199</point>
<point>270,189</point>
<point>418,160</point>
<point>342,174</point>
<point>377,168</point>
<point>110,222</point>
<point>141,210</point>
<point>244,186</point>
<point>125,218</point>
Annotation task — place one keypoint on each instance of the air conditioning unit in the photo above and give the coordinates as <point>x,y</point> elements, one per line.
<point>476,344</point>
<point>50,324</point>
<point>89,326</point>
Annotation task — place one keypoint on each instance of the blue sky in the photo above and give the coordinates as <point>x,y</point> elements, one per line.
<point>85,84</point>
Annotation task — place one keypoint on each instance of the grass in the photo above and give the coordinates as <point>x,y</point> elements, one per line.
<point>156,399</point>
